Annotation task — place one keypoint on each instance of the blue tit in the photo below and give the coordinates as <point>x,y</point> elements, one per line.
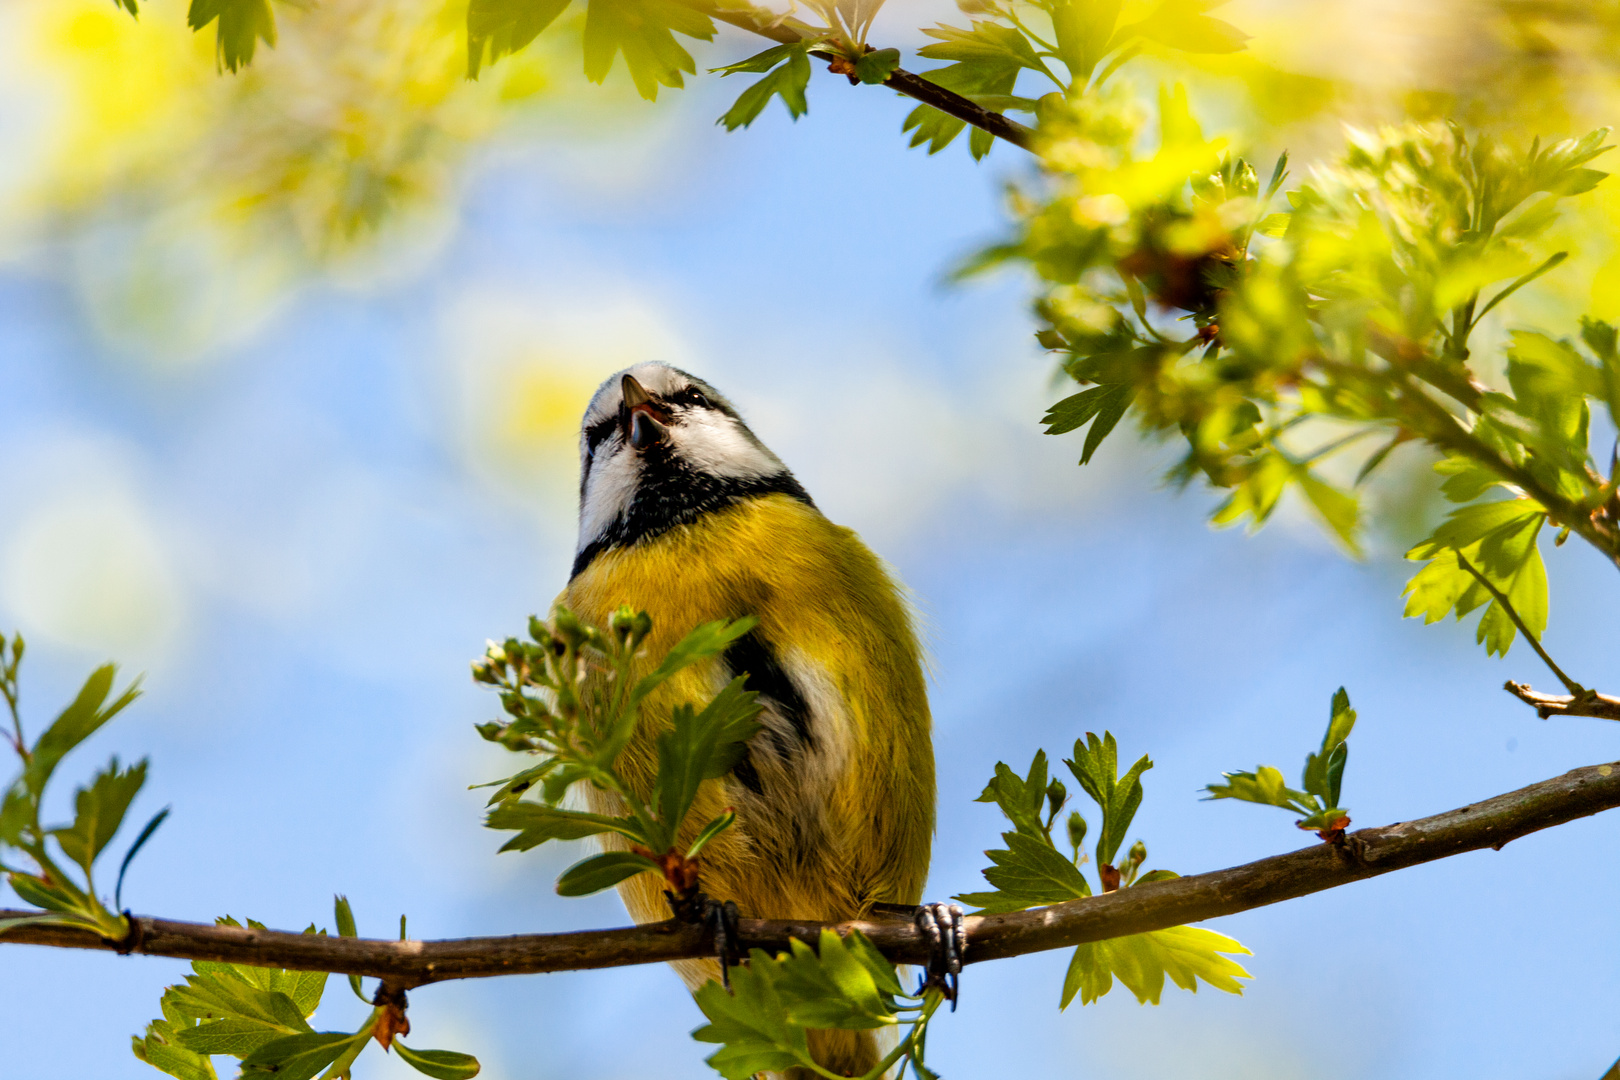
<point>685,514</point>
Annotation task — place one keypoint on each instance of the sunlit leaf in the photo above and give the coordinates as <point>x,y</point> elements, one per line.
<point>1141,961</point>
<point>644,31</point>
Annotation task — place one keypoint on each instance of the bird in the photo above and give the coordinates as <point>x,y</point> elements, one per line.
<point>686,514</point>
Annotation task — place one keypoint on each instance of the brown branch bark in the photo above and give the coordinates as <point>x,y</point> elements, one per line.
<point>1362,854</point>
<point>949,102</point>
<point>1591,703</point>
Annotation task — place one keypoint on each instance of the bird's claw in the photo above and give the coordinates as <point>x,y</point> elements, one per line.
<point>942,926</point>
<point>721,919</point>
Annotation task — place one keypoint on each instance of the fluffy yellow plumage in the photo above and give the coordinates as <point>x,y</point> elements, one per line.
<point>836,804</point>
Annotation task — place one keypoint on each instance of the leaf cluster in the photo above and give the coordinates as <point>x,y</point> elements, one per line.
<point>572,698</point>
<point>99,806</point>
<point>261,1017</point>
<point>1322,780</point>
<point>762,1022</point>
<point>1032,872</point>
<point>1327,335</point>
<point>1073,44</point>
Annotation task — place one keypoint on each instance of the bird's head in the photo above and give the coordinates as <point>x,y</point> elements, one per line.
<point>660,448</point>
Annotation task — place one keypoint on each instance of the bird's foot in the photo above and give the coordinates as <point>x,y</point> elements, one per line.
<point>721,919</point>
<point>942,926</point>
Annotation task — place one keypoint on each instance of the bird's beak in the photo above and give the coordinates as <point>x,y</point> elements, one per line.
<point>634,393</point>
<point>645,427</point>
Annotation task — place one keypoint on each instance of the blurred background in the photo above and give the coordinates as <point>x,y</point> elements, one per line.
<point>291,365</point>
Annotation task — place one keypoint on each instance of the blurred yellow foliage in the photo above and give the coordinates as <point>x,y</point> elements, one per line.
<point>356,113</point>
<point>359,116</point>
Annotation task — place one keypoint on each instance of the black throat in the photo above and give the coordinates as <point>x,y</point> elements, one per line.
<point>672,493</point>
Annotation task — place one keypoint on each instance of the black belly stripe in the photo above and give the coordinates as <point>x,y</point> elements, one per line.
<point>749,655</point>
<point>748,776</point>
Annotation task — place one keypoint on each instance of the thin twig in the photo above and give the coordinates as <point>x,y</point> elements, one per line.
<point>1507,605</point>
<point>949,102</point>
<point>1153,906</point>
<point>1591,703</point>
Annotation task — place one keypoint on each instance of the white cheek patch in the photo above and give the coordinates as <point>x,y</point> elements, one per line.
<point>608,489</point>
<point>714,443</point>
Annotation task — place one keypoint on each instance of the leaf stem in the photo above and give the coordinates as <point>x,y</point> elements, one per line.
<point>1507,605</point>
<point>909,1043</point>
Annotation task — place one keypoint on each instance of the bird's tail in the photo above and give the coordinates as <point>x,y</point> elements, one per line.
<point>847,1053</point>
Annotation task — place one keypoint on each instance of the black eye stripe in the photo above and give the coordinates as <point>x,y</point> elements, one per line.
<point>690,396</point>
<point>598,432</point>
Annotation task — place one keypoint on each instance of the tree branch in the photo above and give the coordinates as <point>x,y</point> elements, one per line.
<point>1154,906</point>
<point>1588,703</point>
<point>949,102</point>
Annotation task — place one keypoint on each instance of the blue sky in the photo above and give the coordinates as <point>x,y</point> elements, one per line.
<point>304,539</point>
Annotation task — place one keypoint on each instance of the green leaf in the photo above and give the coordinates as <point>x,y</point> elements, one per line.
<point>1083,29</point>
<point>75,724</point>
<point>238,1036</point>
<point>1077,409</point>
<point>702,746</point>
<point>343,914</point>
<point>710,639</point>
<point>1466,480</point>
<point>710,831</point>
<point>1550,380</point>
<point>1029,873</point>
<point>1265,786</point>
<point>99,811</point>
<point>761,62</point>
<point>1324,770</point>
<point>1095,764</point>
<point>158,1049</point>
<point>36,892</point>
<point>1020,799</point>
<point>787,81</point>
<point>830,987</point>
<point>644,30</point>
<point>242,25</point>
<point>299,1057</point>
<point>876,66</point>
<point>1110,410</point>
<point>602,871</point>
<point>223,990</point>
<point>1499,540</point>
<point>1141,961</point>
<point>439,1064</point>
<point>883,973</point>
<point>497,28</point>
<point>1604,341</point>
<point>1338,509</point>
<point>751,1022</point>
<point>988,59</point>
<point>985,44</point>
<point>536,824</point>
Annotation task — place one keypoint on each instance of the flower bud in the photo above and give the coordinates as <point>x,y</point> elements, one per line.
<point>1077,830</point>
